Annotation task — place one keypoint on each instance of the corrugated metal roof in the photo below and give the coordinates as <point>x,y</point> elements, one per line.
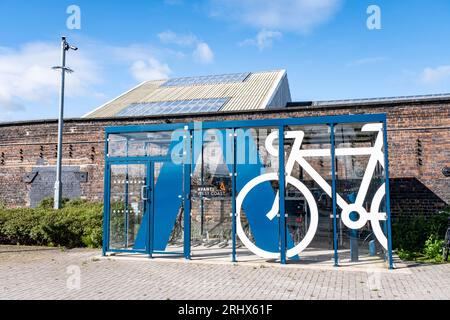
<point>253,93</point>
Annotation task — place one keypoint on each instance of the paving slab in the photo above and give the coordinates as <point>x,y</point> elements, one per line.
<point>46,273</point>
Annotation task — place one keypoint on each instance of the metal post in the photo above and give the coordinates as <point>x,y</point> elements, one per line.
<point>388,197</point>
<point>106,201</point>
<point>127,190</point>
<point>58,185</point>
<point>282,188</point>
<point>187,193</point>
<point>233,195</point>
<point>151,206</point>
<point>202,182</point>
<point>333,187</point>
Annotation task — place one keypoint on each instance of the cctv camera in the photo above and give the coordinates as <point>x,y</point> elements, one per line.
<point>73,48</point>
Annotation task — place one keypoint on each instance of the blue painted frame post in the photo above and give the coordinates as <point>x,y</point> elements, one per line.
<point>149,208</point>
<point>106,199</point>
<point>126,207</point>
<point>187,194</point>
<point>126,199</point>
<point>333,193</point>
<point>387,196</point>
<point>282,189</point>
<point>233,199</point>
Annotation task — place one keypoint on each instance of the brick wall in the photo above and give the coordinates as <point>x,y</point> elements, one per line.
<point>418,184</point>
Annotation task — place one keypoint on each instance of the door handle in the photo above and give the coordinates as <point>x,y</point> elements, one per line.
<point>143,193</point>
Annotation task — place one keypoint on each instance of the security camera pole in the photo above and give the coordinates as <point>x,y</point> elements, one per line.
<point>58,185</point>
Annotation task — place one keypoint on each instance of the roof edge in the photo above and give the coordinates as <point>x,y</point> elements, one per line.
<point>372,101</point>
<point>273,90</point>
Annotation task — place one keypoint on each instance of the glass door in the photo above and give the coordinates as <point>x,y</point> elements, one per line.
<point>167,210</point>
<point>129,194</point>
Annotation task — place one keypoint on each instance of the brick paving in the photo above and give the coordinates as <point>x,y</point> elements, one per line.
<point>42,273</point>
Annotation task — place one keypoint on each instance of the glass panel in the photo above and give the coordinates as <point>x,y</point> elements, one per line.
<point>212,196</point>
<point>169,107</point>
<point>152,144</point>
<point>257,186</point>
<point>204,80</point>
<point>127,207</point>
<point>360,185</point>
<point>308,192</point>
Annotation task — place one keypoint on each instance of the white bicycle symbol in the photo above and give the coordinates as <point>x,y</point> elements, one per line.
<point>298,155</point>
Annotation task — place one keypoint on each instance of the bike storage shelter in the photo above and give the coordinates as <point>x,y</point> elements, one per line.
<point>287,190</point>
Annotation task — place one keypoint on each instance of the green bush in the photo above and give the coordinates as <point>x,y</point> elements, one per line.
<point>407,255</point>
<point>20,226</point>
<point>433,249</point>
<point>420,237</point>
<point>77,224</point>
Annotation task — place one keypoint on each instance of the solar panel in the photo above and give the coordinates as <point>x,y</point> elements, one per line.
<point>173,107</point>
<point>192,81</point>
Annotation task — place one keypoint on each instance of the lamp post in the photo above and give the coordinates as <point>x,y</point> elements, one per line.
<point>58,185</point>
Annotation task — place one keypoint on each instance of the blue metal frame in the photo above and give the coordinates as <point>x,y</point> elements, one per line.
<point>144,128</point>
<point>282,192</point>
<point>187,195</point>
<point>106,199</point>
<point>107,211</point>
<point>233,201</point>
<point>333,186</point>
<point>388,196</point>
<point>149,207</point>
<point>127,189</point>
<point>189,128</point>
<point>250,123</point>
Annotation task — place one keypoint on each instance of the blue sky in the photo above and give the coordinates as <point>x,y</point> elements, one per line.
<point>325,46</point>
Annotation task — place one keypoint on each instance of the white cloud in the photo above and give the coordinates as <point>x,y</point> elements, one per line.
<point>263,39</point>
<point>203,53</point>
<point>142,61</point>
<point>26,75</point>
<point>285,15</point>
<point>150,69</point>
<point>435,75</point>
<point>170,37</point>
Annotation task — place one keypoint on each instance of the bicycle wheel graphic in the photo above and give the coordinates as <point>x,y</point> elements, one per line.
<point>314,219</point>
<point>376,216</point>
